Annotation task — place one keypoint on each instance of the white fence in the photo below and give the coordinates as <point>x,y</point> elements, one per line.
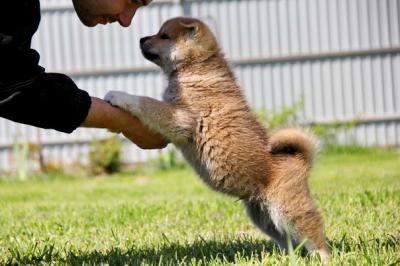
<point>341,56</point>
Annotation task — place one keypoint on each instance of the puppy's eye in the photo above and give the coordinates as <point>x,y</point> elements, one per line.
<point>164,36</point>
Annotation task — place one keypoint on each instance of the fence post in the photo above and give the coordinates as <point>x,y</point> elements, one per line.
<point>185,6</point>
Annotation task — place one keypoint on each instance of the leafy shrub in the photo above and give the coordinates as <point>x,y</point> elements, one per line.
<point>104,156</point>
<point>21,155</point>
<point>328,132</point>
<point>168,160</point>
<point>287,116</point>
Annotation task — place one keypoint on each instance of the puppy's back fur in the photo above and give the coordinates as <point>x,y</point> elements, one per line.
<point>232,153</point>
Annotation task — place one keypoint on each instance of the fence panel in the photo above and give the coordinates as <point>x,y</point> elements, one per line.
<point>342,57</point>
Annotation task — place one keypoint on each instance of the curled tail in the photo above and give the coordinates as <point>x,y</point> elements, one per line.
<point>293,141</point>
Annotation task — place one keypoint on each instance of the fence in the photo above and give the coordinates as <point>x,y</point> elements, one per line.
<point>341,56</point>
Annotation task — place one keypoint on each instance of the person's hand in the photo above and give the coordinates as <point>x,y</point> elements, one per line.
<point>104,115</point>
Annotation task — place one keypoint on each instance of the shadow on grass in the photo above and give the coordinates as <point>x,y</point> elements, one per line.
<point>175,253</point>
<point>349,244</point>
<point>201,251</point>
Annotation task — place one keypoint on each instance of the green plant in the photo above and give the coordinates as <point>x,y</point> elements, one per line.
<point>286,115</point>
<point>104,156</point>
<point>170,159</point>
<point>21,154</point>
<point>326,133</point>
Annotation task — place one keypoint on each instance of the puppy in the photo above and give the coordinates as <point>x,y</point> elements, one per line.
<point>205,114</point>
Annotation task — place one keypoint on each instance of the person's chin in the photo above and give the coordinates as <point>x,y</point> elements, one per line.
<point>91,22</point>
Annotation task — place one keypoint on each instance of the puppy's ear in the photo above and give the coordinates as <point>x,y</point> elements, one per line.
<point>191,26</point>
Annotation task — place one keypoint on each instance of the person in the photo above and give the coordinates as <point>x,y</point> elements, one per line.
<point>30,95</point>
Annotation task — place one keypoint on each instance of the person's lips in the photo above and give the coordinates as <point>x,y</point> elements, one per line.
<point>107,19</point>
<point>111,19</point>
<point>103,20</point>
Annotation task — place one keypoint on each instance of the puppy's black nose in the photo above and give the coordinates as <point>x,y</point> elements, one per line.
<point>144,39</point>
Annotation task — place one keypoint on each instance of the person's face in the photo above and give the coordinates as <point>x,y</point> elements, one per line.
<point>93,12</point>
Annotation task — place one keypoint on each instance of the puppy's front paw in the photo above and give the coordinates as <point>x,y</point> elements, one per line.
<point>125,101</point>
<point>118,99</point>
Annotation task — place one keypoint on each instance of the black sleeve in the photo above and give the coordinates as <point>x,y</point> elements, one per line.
<point>28,94</point>
<point>50,101</point>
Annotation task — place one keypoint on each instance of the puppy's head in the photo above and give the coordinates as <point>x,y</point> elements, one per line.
<point>180,41</point>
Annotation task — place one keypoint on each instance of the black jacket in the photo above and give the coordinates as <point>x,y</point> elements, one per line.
<point>28,94</point>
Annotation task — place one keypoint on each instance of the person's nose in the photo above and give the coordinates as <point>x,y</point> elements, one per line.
<point>125,18</point>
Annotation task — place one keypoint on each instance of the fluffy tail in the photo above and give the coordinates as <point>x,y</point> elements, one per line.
<point>293,141</point>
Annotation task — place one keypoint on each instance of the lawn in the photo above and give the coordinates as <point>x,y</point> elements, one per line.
<point>170,218</point>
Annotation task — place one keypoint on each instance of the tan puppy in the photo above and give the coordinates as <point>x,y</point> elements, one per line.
<point>205,114</point>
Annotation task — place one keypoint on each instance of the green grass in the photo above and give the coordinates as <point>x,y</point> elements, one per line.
<point>171,218</point>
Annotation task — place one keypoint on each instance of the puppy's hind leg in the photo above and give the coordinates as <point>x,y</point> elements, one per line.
<point>260,215</point>
<point>298,215</point>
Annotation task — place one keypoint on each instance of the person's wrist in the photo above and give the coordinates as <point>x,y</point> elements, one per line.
<point>104,115</point>
<point>117,119</point>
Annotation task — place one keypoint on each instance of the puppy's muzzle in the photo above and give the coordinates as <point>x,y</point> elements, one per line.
<point>144,39</point>
<point>145,46</point>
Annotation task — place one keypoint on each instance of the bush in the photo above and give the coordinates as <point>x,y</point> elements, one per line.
<point>287,116</point>
<point>168,160</point>
<point>21,155</point>
<point>104,156</point>
<point>328,132</point>
<point>284,117</point>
